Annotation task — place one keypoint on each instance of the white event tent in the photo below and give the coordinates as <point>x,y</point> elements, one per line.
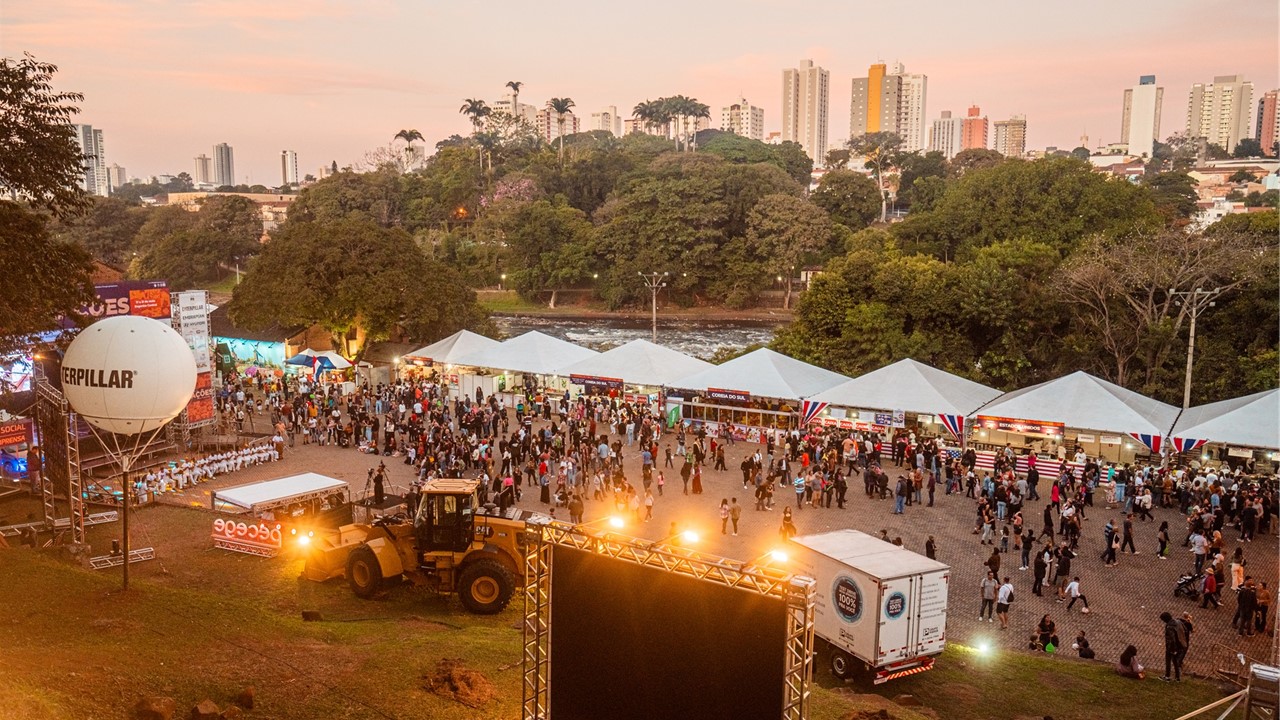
<point>262,496</point>
<point>1250,421</point>
<point>532,352</point>
<point>910,386</point>
<point>764,373</point>
<point>638,362</point>
<point>448,350</point>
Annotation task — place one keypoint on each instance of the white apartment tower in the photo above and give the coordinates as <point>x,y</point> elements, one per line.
<point>607,119</point>
<point>117,177</point>
<point>95,180</point>
<point>508,105</point>
<point>944,135</point>
<point>1140,121</point>
<point>1011,137</point>
<point>1221,112</point>
<point>805,94</point>
<point>890,100</point>
<point>547,123</point>
<point>204,170</point>
<point>743,118</point>
<point>224,167</point>
<point>288,167</point>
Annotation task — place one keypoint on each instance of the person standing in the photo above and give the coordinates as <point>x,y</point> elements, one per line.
<point>735,514</point>
<point>931,548</point>
<point>788,529</point>
<point>1162,536</point>
<point>648,505</point>
<point>1210,591</point>
<point>35,466</point>
<point>1246,606</point>
<point>988,587</point>
<point>900,495</point>
<point>1004,598</point>
<point>1175,643</point>
<point>1041,567</point>
<point>1128,535</point>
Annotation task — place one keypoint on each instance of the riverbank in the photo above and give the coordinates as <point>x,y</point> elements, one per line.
<point>506,303</point>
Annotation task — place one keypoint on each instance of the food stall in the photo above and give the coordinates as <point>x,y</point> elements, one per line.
<point>531,363</point>
<point>442,357</point>
<point>1233,432</point>
<point>634,372</point>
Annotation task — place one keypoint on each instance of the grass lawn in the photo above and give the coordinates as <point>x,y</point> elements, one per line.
<point>200,623</point>
<point>507,301</point>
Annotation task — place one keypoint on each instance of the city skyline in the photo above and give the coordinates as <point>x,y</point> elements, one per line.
<point>334,80</point>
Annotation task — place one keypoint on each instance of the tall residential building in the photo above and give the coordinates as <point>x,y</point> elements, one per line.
<point>743,118</point>
<point>890,101</point>
<point>1011,137</point>
<point>1220,112</point>
<point>204,170</point>
<point>525,110</point>
<point>94,180</point>
<point>1140,121</point>
<point>288,167</point>
<point>806,92</point>
<point>607,119</point>
<point>116,177</point>
<point>548,123</point>
<point>944,135</point>
<point>973,130</point>
<point>224,166</point>
<point>1268,130</point>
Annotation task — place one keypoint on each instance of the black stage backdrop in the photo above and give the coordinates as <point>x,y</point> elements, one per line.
<point>629,641</point>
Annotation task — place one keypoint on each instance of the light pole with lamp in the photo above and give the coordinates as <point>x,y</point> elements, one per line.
<point>1196,301</point>
<point>654,282</point>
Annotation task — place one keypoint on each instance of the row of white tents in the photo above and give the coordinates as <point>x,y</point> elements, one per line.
<point>1078,400</point>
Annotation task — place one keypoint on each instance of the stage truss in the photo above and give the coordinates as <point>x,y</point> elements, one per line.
<point>796,591</point>
<point>61,449</point>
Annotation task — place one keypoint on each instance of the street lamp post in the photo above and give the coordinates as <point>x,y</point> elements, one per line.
<point>1196,301</point>
<point>654,282</point>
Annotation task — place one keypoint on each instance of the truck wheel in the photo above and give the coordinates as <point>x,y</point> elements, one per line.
<point>485,587</point>
<point>841,664</point>
<point>364,574</point>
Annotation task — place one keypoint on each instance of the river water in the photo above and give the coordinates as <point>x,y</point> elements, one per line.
<point>699,338</point>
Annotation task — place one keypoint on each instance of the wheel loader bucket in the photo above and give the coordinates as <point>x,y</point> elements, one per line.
<point>327,552</point>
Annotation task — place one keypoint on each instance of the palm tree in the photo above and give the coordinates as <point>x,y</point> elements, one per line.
<point>561,106</point>
<point>515,86</point>
<point>476,111</point>
<point>697,111</point>
<point>408,136</point>
<point>645,112</point>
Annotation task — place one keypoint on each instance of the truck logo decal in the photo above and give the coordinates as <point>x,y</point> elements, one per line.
<point>847,598</point>
<point>895,605</point>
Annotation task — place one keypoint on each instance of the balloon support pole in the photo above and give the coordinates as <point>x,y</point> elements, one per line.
<point>126,457</point>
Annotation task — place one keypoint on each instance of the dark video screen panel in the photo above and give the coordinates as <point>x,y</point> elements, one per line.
<point>629,641</point>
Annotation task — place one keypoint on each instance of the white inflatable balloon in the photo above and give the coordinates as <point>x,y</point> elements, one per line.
<point>128,374</point>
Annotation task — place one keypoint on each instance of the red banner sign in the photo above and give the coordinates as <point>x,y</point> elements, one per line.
<point>200,409</point>
<point>15,432</point>
<point>737,396</point>
<point>1038,427</point>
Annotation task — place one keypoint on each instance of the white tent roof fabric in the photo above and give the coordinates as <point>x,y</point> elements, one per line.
<point>639,362</point>
<point>1080,400</point>
<point>532,352</point>
<point>275,492</point>
<point>459,344</point>
<point>911,386</point>
<point>764,373</point>
<point>1251,421</point>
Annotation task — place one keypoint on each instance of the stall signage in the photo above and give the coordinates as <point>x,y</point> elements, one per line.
<point>593,381</point>
<point>737,396</point>
<point>15,432</point>
<point>1083,438</point>
<point>1110,440</point>
<point>1039,427</point>
<point>250,538</point>
<point>1239,452</point>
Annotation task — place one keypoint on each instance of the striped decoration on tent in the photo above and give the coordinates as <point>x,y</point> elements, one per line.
<point>809,410</point>
<point>1185,445</point>
<point>954,425</point>
<point>1151,441</point>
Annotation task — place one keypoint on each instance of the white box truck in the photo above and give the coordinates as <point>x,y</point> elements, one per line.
<point>879,608</point>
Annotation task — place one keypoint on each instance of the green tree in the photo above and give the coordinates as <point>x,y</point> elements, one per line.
<point>550,246</point>
<point>913,167</point>
<point>1174,194</point>
<point>1248,148</point>
<point>357,274</point>
<point>514,86</point>
<point>784,231</point>
<point>374,195</point>
<point>187,252</point>
<point>850,198</point>
<point>973,159</point>
<point>561,106</point>
<point>49,280</point>
<point>106,230</point>
<point>1241,176</point>
<point>795,161</point>
<point>41,161</point>
<point>925,193</point>
<point>1270,198</point>
<point>408,136</point>
<point>881,151</point>
<point>837,159</point>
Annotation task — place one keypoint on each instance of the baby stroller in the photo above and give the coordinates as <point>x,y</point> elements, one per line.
<point>1188,585</point>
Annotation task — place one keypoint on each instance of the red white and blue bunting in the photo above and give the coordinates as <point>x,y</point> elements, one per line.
<point>954,425</point>
<point>1185,445</point>
<point>1152,442</point>
<point>809,410</point>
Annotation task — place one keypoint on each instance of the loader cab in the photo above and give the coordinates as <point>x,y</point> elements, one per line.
<point>445,520</point>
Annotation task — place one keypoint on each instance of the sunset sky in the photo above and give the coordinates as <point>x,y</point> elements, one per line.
<point>167,79</point>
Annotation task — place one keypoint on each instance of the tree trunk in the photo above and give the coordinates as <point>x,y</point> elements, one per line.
<point>552,305</point>
<point>786,299</point>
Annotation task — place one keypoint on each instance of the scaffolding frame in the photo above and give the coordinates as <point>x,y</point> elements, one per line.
<point>796,591</point>
<point>61,449</point>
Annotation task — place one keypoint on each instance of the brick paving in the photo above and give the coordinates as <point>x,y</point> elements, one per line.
<point>1125,601</point>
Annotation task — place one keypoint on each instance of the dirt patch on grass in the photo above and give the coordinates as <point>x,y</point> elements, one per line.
<point>955,692</point>
<point>1065,682</point>
<point>454,681</point>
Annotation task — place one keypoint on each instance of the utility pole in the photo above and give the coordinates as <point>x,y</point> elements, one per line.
<point>654,282</point>
<point>1197,301</point>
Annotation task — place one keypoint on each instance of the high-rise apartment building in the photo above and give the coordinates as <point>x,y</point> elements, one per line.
<point>973,130</point>
<point>288,167</point>
<point>204,170</point>
<point>743,118</point>
<point>890,101</point>
<point>117,177</point>
<point>607,119</point>
<point>547,122</point>
<point>1221,111</point>
<point>806,92</point>
<point>944,135</point>
<point>1011,137</point>
<point>224,166</point>
<point>1140,120</point>
<point>508,105</point>
<point>92,147</point>
<point>1268,130</point>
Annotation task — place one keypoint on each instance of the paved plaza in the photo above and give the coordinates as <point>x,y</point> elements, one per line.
<point>1125,601</point>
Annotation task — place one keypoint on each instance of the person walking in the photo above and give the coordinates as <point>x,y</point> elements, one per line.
<point>988,589</point>
<point>1246,606</point>
<point>1175,641</point>
<point>1209,586</point>
<point>1073,592</point>
<point>735,514</point>
<point>1041,566</point>
<point>724,516</point>
<point>648,505</point>
<point>1004,598</point>
<point>1128,535</point>
<point>900,495</point>
<point>788,529</point>
<point>1162,536</point>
